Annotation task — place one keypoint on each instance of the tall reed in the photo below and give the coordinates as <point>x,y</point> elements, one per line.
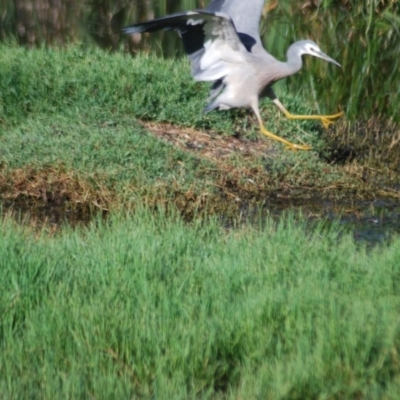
<point>363,36</point>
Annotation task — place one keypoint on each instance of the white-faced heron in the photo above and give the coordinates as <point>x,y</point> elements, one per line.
<point>224,46</point>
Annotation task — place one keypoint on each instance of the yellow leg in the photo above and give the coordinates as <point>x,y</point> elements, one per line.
<point>265,132</point>
<point>289,145</point>
<point>325,119</point>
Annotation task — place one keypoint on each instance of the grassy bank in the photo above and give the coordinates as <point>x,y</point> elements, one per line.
<point>74,130</point>
<point>74,113</point>
<point>147,306</point>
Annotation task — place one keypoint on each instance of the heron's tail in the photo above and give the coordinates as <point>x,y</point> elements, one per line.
<point>210,106</point>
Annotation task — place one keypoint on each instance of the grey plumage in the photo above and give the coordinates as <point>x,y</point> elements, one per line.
<point>224,47</point>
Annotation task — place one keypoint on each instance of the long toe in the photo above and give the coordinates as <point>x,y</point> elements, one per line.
<point>295,147</point>
<point>330,119</point>
<point>337,115</point>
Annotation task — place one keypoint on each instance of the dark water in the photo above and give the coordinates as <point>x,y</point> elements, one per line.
<point>58,22</point>
<point>376,221</point>
<point>372,222</point>
<point>369,221</point>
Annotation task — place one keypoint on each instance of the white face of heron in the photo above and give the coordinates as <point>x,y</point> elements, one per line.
<point>312,49</point>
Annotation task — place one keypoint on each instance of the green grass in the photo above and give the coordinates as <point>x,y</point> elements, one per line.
<point>145,305</point>
<point>148,306</point>
<point>116,154</point>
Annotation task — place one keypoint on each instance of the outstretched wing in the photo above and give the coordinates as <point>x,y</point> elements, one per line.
<point>209,38</point>
<point>246,15</point>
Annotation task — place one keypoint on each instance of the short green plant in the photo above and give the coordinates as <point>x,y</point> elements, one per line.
<point>144,305</point>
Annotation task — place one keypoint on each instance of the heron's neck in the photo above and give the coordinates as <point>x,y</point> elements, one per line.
<point>294,61</point>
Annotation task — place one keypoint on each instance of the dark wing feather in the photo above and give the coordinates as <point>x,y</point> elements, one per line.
<point>209,38</point>
<point>192,34</point>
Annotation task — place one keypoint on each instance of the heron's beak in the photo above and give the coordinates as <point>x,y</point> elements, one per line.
<point>322,55</point>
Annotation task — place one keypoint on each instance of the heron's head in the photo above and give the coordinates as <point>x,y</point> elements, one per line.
<point>311,48</point>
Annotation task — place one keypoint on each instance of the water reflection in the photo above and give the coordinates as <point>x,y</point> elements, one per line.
<point>58,22</point>
<point>371,222</point>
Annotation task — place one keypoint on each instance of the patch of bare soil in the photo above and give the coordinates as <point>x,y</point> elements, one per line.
<point>213,146</point>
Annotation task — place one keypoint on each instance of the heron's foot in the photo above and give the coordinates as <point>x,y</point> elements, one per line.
<point>289,145</point>
<point>328,120</point>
